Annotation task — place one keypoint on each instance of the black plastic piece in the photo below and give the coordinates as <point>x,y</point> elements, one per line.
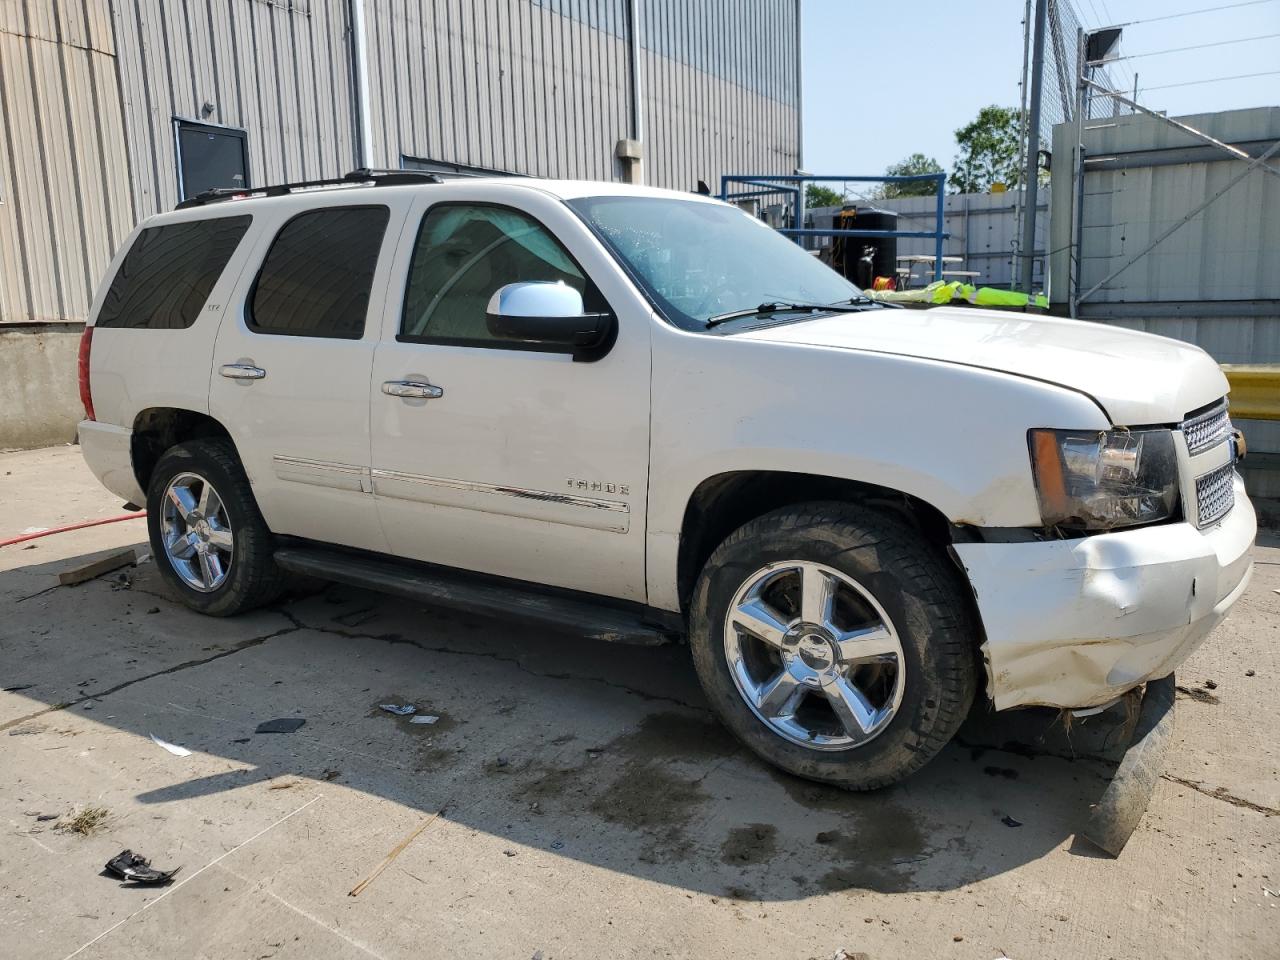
<point>366,176</point>
<point>128,865</point>
<point>280,725</point>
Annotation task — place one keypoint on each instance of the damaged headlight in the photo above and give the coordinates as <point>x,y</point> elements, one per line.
<point>1103,479</point>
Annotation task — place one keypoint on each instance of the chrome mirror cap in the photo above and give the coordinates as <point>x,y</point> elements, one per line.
<point>536,298</point>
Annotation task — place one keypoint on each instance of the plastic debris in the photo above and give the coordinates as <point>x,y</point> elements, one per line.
<point>132,866</point>
<point>424,718</point>
<point>173,748</point>
<point>1008,821</point>
<point>399,711</point>
<point>280,725</point>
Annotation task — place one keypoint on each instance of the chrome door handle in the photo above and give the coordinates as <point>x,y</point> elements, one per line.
<point>242,371</point>
<point>412,389</point>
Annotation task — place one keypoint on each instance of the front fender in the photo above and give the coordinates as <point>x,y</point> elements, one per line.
<point>952,436</point>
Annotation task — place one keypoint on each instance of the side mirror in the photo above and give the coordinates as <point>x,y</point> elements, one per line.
<point>552,314</point>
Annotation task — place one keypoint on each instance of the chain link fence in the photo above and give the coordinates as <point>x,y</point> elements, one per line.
<point>1062,68</point>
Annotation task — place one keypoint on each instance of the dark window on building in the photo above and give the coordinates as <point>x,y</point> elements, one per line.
<point>464,253</point>
<point>316,278</point>
<point>168,272</point>
<point>209,157</point>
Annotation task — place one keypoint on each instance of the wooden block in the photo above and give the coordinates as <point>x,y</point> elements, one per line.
<point>114,561</point>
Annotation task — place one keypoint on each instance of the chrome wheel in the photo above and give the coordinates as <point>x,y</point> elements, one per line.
<point>196,532</point>
<point>814,655</point>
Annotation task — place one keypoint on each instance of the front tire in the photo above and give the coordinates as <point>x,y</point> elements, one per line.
<point>207,535</point>
<point>835,643</point>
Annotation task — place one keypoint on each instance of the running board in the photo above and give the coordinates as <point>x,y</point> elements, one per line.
<point>616,622</point>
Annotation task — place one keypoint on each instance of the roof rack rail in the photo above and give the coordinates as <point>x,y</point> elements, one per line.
<point>364,176</point>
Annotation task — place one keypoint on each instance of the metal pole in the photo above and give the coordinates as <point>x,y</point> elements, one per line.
<point>939,225</point>
<point>360,68</point>
<point>637,91</point>
<point>798,206</point>
<point>1028,245</point>
<point>799,97</point>
<point>1077,183</point>
<point>1022,132</point>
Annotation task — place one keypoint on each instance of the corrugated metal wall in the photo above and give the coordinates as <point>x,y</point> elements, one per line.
<point>720,89</point>
<point>277,68</point>
<point>64,189</point>
<point>1132,195</point>
<point>90,90</point>
<point>543,86</point>
<point>501,84</point>
<point>1216,281</point>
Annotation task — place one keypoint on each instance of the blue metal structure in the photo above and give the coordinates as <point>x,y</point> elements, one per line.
<point>795,183</point>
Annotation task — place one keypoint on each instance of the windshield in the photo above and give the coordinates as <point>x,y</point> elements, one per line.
<point>698,260</point>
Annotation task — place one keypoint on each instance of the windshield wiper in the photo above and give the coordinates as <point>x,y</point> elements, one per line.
<point>843,306</point>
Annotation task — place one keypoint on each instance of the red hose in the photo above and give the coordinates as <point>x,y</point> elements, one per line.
<point>73,526</point>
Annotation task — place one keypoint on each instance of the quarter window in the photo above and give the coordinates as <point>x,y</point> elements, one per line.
<point>168,273</point>
<point>464,253</point>
<point>318,274</point>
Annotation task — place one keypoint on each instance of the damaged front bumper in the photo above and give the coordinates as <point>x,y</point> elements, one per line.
<point>1076,623</point>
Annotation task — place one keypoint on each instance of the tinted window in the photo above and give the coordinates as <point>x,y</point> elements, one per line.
<point>168,272</point>
<point>316,279</point>
<point>463,254</point>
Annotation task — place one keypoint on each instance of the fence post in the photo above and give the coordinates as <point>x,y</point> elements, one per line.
<point>1032,173</point>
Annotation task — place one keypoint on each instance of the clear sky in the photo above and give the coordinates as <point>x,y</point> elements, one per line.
<point>884,80</point>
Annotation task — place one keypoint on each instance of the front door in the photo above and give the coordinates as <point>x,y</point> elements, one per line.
<point>291,364</point>
<point>510,461</point>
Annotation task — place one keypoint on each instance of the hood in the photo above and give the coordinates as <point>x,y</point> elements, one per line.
<point>1137,378</point>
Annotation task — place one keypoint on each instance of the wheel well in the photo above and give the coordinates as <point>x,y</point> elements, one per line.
<point>723,503</point>
<point>156,429</point>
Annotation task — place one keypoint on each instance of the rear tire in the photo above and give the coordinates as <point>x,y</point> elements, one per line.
<point>207,535</point>
<point>835,643</point>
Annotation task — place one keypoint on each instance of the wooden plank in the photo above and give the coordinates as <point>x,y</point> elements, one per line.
<point>113,561</point>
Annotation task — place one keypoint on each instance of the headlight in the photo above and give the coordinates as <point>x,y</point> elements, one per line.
<point>1099,480</point>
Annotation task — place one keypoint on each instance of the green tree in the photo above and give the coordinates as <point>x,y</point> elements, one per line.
<point>816,195</point>
<point>915,164</point>
<point>988,151</point>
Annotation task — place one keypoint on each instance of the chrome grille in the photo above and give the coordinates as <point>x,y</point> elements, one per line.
<point>1215,494</point>
<point>1207,429</point>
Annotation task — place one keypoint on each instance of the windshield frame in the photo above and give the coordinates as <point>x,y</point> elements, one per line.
<point>668,311</point>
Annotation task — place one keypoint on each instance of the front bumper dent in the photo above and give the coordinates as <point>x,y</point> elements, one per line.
<point>1076,623</point>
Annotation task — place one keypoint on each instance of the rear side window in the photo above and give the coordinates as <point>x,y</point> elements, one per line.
<point>167,274</point>
<point>316,279</point>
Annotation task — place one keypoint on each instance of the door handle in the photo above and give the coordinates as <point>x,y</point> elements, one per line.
<point>241,371</point>
<point>412,389</point>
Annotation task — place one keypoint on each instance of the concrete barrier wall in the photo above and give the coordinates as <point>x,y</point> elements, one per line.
<point>39,397</point>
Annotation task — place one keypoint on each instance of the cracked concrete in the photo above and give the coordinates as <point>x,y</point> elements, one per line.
<point>593,806</point>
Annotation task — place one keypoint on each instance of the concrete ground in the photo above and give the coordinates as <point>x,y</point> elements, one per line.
<point>592,806</point>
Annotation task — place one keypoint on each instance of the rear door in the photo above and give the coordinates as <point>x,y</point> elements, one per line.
<point>527,464</point>
<point>291,364</point>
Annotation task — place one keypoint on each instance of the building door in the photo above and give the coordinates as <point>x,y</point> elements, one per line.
<point>210,156</point>
<point>510,460</point>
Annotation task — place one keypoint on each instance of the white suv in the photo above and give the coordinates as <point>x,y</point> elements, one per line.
<point>647,415</point>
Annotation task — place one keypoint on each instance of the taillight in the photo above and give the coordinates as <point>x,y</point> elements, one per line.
<point>82,370</point>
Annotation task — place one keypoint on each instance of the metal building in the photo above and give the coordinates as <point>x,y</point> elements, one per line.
<point>1175,236</point>
<point>116,109</point>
